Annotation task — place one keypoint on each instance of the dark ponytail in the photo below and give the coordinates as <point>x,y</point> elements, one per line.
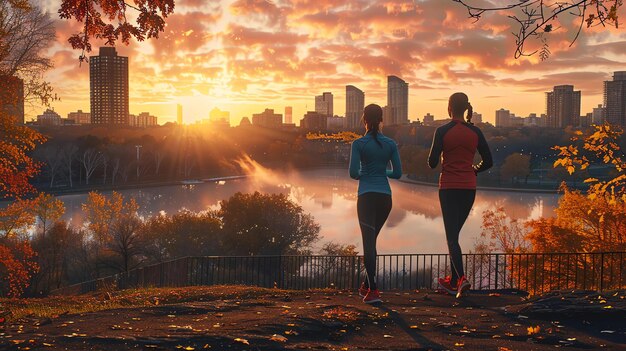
<point>470,113</point>
<point>372,116</point>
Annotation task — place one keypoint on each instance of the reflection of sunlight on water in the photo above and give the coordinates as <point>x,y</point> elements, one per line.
<point>414,226</point>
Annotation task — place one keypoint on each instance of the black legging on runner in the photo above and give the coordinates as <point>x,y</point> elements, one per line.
<point>373,210</point>
<point>456,205</point>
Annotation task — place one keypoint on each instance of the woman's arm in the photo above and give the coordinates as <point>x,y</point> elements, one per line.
<point>485,154</point>
<point>355,161</point>
<point>396,166</point>
<point>435,150</point>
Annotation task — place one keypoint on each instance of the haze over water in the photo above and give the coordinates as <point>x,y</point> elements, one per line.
<point>414,225</point>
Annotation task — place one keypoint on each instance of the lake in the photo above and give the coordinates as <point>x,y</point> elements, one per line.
<point>414,225</point>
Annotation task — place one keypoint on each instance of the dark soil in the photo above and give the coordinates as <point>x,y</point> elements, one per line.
<point>242,318</point>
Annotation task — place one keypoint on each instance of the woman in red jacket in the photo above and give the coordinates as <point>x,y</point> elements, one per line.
<point>457,142</point>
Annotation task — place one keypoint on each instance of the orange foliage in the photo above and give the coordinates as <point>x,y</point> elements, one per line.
<point>17,266</point>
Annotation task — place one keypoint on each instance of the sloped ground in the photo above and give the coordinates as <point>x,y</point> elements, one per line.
<point>244,318</point>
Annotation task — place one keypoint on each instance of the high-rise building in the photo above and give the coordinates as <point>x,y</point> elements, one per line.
<point>615,99</point>
<point>79,117</point>
<point>12,97</point>
<point>179,114</point>
<point>598,115</point>
<point>503,118</point>
<point>108,81</point>
<point>397,101</point>
<point>288,115</point>
<point>563,106</point>
<point>324,104</point>
<point>355,103</point>
<point>267,119</point>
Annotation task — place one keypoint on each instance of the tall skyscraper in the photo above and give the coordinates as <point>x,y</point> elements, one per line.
<point>397,101</point>
<point>179,114</point>
<point>12,97</point>
<point>615,99</point>
<point>288,115</point>
<point>324,104</point>
<point>355,103</point>
<point>563,106</point>
<point>267,119</point>
<point>108,81</point>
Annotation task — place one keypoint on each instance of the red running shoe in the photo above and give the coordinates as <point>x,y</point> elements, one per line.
<point>446,284</point>
<point>373,296</point>
<point>363,290</point>
<point>463,287</point>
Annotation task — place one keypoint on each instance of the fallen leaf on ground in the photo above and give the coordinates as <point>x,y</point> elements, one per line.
<point>243,341</point>
<point>279,338</point>
<point>387,336</point>
<point>533,330</point>
<point>460,344</point>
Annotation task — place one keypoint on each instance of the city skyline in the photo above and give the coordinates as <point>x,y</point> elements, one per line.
<point>284,54</point>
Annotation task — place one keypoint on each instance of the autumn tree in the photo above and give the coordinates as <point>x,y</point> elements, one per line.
<point>538,19</point>
<point>108,20</point>
<point>258,223</point>
<point>17,258</point>
<point>183,234</point>
<point>115,225</point>
<point>515,166</point>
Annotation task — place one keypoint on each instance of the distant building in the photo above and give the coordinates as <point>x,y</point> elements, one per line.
<point>324,104</point>
<point>355,103</point>
<point>314,121</point>
<point>219,118</point>
<point>12,97</point>
<point>586,120</point>
<point>80,117</point>
<point>49,119</point>
<point>397,101</point>
<point>245,122</point>
<point>563,106</point>
<point>267,119</point>
<point>288,115</point>
<point>615,99</point>
<point>598,115</point>
<point>335,123</point>
<point>515,121</point>
<point>503,118</point>
<point>428,119</point>
<point>477,117</point>
<point>142,120</point>
<point>179,114</point>
<point>108,83</point>
<point>532,120</point>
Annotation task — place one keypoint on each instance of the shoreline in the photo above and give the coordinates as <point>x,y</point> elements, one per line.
<point>407,180</point>
<point>404,179</point>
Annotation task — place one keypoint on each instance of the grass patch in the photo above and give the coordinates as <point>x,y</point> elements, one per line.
<point>51,307</point>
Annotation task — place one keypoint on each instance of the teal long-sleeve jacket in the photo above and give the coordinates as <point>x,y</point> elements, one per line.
<point>369,160</point>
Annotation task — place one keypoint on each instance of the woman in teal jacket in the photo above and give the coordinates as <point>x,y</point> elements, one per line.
<point>369,159</point>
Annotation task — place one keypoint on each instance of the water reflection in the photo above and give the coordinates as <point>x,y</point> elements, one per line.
<point>414,225</point>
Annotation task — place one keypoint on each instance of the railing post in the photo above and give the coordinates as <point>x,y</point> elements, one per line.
<point>601,270</point>
<point>496,270</point>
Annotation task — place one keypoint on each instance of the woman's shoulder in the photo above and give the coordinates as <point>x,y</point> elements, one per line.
<point>387,139</point>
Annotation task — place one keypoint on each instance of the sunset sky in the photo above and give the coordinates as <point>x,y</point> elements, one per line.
<point>246,55</point>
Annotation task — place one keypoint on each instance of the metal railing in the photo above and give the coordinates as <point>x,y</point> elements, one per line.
<point>534,273</point>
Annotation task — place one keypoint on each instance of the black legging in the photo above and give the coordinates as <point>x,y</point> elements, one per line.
<point>373,210</point>
<point>456,205</point>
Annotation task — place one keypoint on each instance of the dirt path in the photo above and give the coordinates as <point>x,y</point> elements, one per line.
<point>229,318</point>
